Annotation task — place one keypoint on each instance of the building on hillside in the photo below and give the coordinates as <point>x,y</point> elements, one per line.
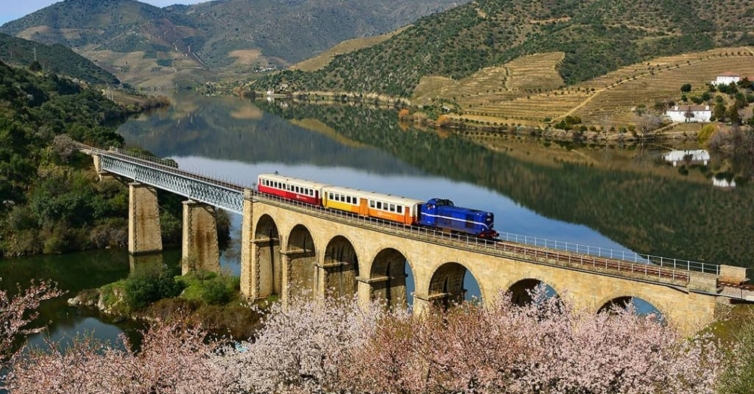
<point>726,78</point>
<point>723,183</point>
<point>689,156</point>
<point>689,113</point>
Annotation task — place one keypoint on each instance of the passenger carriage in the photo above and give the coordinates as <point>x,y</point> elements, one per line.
<point>290,188</point>
<point>376,205</point>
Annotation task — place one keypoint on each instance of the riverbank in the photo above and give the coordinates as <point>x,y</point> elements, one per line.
<point>447,116</point>
<point>212,300</point>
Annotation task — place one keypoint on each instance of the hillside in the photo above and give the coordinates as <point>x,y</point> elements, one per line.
<point>53,58</point>
<point>596,36</point>
<point>140,42</point>
<point>320,61</point>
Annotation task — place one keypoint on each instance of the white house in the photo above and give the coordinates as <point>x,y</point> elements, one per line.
<point>724,183</point>
<point>694,156</point>
<point>726,78</point>
<point>689,113</point>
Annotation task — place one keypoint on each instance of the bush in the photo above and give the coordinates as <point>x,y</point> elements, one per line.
<point>218,290</point>
<point>144,287</point>
<point>705,133</point>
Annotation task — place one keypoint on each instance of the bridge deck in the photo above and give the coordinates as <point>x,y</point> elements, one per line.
<point>158,173</point>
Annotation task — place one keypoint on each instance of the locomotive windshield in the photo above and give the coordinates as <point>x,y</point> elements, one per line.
<point>444,202</point>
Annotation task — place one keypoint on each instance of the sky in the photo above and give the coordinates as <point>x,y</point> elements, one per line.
<point>13,9</point>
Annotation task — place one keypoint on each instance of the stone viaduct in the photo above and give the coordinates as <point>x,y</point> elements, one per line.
<point>293,250</point>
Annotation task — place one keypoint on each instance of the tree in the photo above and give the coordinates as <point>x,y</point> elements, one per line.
<point>686,88</point>
<point>174,358</point>
<point>647,124</point>
<point>17,312</point>
<point>738,379</point>
<point>689,114</point>
<point>733,115</point>
<point>35,66</point>
<point>719,112</point>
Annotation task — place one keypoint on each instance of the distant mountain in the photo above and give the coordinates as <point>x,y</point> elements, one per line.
<point>214,34</point>
<point>294,30</point>
<point>597,36</point>
<point>55,58</point>
<point>114,25</point>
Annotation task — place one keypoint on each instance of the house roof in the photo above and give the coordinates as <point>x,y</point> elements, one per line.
<point>685,108</point>
<point>728,74</point>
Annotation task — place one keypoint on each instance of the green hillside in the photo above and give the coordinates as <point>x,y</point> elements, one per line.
<point>53,58</point>
<point>597,36</point>
<point>215,34</point>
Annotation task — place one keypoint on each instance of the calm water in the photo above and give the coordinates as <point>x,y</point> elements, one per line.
<point>603,196</point>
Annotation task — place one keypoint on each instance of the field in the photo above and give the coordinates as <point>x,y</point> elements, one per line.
<point>529,91</point>
<point>512,80</point>
<point>318,62</point>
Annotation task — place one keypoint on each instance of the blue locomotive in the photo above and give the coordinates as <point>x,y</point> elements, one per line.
<point>442,213</point>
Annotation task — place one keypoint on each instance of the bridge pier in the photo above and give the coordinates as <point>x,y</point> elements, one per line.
<point>199,246</point>
<point>144,234</point>
<point>249,267</point>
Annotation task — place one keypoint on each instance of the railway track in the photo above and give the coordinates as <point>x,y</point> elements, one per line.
<point>511,249</point>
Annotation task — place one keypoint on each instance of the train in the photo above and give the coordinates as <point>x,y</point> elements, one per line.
<point>435,213</point>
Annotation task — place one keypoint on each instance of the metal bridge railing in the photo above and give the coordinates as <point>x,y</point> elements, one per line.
<point>613,253</point>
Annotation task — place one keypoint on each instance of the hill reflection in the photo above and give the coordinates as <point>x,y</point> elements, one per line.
<point>630,196</point>
<point>234,129</point>
<point>648,207</point>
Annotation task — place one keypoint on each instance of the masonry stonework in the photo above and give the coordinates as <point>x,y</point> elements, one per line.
<point>438,270</point>
<point>199,246</point>
<point>144,234</point>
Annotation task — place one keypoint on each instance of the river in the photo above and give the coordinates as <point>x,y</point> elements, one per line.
<point>606,196</point>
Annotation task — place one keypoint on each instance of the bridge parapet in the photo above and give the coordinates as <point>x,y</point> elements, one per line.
<point>678,276</point>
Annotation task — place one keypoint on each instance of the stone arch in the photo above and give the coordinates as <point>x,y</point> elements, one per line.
<point>519,290</point>
<point>446,286</point>
<point>621,300</point>
<point>303,275</point>
<point>269,264</point>
<point>340,267</point>
<point>387,277</point>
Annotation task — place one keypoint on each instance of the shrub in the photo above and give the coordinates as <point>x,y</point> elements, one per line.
<point>218,290</point>
<point>149,285</point>
<point>705,133</point>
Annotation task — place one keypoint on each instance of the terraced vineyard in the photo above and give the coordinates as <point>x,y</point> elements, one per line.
<point>611,98</point>
<point>660,80</point>
<point>533,108</point>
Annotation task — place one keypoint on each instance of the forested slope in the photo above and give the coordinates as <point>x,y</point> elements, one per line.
<point>597,36</point>
<point>49,201</point>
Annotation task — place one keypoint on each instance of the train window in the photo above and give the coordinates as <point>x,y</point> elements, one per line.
<point>330,196</point>
<point>400,209</point>
<point>392,207</point>
<point>379,205</point>
<point>371,203</point>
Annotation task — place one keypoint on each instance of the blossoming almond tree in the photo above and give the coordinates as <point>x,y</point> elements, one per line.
<point>16,313</point>
<point>173,359</point>
<point>334,346</point>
